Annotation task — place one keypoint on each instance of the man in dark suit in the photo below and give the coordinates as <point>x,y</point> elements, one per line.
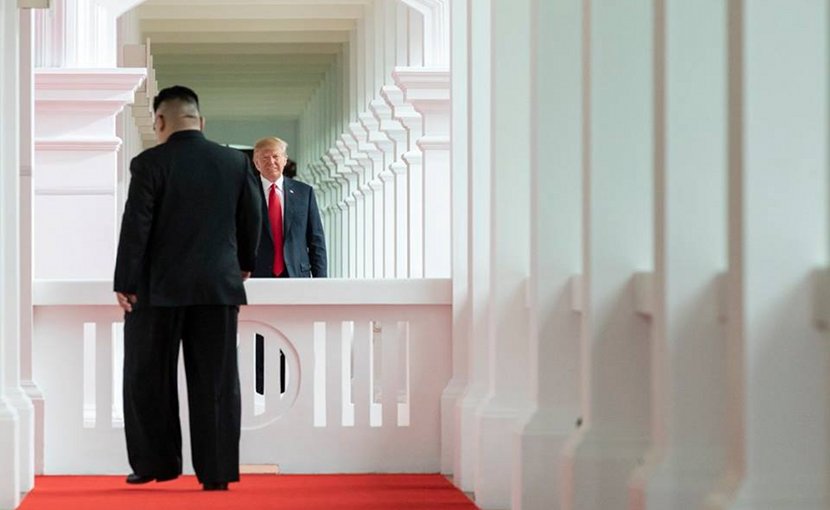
<point>292,243</point>
<point>188,240</point>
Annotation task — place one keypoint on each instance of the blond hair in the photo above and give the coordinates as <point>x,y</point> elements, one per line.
<point>271,142</point>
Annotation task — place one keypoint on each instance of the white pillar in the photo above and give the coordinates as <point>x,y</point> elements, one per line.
<point>779,200</point>
<point>76,160</point>
<point>397,132</point>
<point>428,91</point>
<point>688,425</point>
<point>360,165</point>
<point>354,240</point>
<point>15,288</point>
<point>478,370</point>
<point>399,169</point>
<point>393,145</point>
<point>508,400</point>
<point>346,240</point>
<point>411,120</point>
<point>10,424</point>
<point>555,253</point>
<point>76,34</point>
<point>459,180</point>
<point>619,239</point>
<point>381,158</point>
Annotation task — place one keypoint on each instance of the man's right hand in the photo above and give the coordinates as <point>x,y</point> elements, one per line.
<point>126,301</point>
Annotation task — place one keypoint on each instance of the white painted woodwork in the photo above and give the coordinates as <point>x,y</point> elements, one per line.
<point>687,455</point>
<point>412,334</point>
<point>556,222</point>
<point>618,244</point>
<point>11,470</point>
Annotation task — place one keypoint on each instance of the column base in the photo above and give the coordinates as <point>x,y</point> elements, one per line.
<point>597,467</point>
<point>676,482</point>
<point>18,399</point>
<point>466,451</point>
<point>538,479</point>
<point>9,456</point>
<point>769,494</point>
<point>449,399</point>
<point>39,403</point>
<point>497,426</point>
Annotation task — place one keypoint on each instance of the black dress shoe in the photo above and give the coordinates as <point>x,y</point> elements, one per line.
<point>135,479</point>
<point>215,486</point>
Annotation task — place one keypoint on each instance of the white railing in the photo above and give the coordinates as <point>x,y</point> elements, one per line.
<point>365,361</point>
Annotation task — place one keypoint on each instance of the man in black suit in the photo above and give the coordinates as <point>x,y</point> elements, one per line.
<point>188,240</point>
<point>292,243</point>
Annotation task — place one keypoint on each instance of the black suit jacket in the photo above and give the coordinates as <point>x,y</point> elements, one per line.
<point>304,243</point>
<point>190,226</point>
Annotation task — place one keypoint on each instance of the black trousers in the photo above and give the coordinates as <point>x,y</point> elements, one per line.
<point>151,404</point>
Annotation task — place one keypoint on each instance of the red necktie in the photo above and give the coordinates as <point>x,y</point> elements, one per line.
<point>275,218</point>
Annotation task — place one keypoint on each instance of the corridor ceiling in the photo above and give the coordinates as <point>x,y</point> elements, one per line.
<point>248,58</point>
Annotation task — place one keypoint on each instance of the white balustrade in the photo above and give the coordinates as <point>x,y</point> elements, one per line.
<point>366,363</point>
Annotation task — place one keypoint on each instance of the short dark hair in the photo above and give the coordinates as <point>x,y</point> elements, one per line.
<point>290,169</point>
<point>176,92</point>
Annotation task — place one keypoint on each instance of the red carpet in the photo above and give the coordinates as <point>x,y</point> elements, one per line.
<point>254,492</point>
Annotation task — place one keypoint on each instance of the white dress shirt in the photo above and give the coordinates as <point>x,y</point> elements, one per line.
<point>266,188</point>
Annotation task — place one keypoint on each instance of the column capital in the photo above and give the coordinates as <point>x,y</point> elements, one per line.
<point>105,91</point>
<point>426,88</point>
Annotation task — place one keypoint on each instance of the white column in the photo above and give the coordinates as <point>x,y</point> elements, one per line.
<point>466,465</point>
<point>779,199</point>
<point>387,213</point>
<point>15,288</point>
<point>381,158</point>
<point>10,423</point>
<point>355,240</point>
<point>687,455</point>
<point>619,243</point>
<point>413,123</point>
<point>27,156</point>
<point>556,251</point>
<point>391,142</point>
<point>428,91</point>
<point>508,400</point>
<point>360,165</point>
<point>76,34</point>
<point>333,225</point>
<point>459,179</point>
<point>434,28</point>
<point>399,169</point>
<point>397,132</point>
<point>371,160</point>
<point>341,224</point>
<point>346,240</point>
<point>76,160</point>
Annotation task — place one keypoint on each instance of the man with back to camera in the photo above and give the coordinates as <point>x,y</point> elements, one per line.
<point>292,243</point>
<point>188,240</point>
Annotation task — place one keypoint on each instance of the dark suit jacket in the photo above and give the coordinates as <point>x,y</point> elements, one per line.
<point>304,244</point>
<point>191,224</point>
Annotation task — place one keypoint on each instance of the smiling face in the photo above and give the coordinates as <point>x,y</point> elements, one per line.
<point>270,163</point>
<point>270,158</point>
